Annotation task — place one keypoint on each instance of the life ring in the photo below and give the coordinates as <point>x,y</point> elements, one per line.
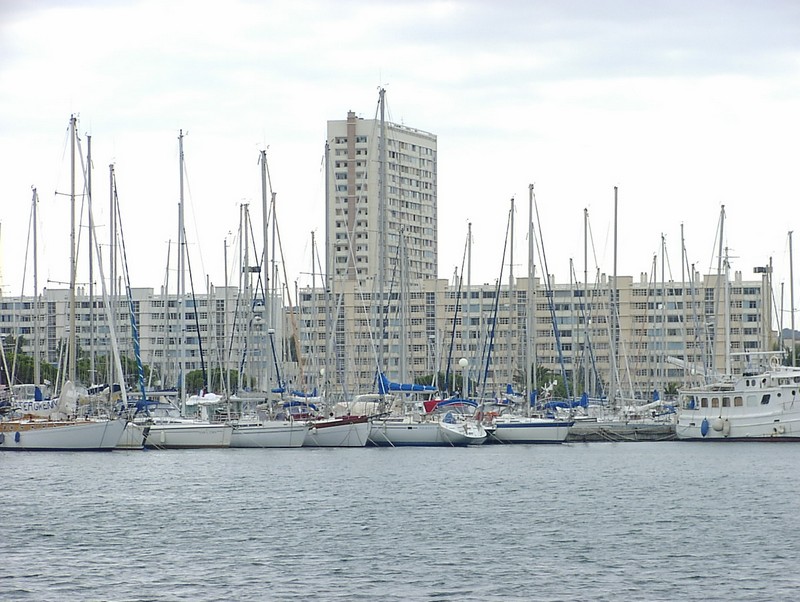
<point>775,362</point>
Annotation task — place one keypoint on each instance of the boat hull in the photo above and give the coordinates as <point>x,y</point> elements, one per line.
<point>133,436</point>
<point>276,433</point>
<point>188,435</point>
<point>398,433</point>
<point>533,430</point>
<point>53,435</point>
<point>338,432</point>
<point>782,423</point>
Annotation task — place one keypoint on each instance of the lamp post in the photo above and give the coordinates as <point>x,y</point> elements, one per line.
<point>464,363</point>
<point>256,327</point>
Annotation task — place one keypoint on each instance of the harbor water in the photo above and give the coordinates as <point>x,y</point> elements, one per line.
<point>581,521</point>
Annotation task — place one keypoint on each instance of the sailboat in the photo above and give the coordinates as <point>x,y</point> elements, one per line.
<point>514,422</point>
<point>167,427</point>
<point>260,426</point>
<point>412,421</point>
<point>54,425</point>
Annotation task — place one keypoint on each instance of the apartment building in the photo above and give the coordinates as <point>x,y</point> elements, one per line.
<point>663,335</point>
<point>221,330</point>
<point>381,172</point>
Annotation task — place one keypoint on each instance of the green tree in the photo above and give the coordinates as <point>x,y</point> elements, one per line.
<point>454,382</point>
<point>671,390</point>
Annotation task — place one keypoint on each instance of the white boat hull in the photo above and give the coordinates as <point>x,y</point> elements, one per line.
<point>391,432</point>
<point>755,406</point>
<point>273,433</point>
<point>337,433</point>
<point>133,436</point>
<point>530,430</point>
<point>54,435</point>
<point>188,435</point>
<point>781,422</point>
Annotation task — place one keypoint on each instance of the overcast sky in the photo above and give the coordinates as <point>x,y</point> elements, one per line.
<point>685,106</point>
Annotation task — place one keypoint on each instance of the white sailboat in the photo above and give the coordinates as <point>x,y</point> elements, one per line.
<point>345,431</point>
<point>415,430</point>
<point>166,425</point>
<point>268,433</point>
<point>516,423</point>
<point>262,428</point>
<point>413,422</point>
<point>53,425</point>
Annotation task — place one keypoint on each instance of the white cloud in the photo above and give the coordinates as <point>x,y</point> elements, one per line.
<point>685,106</point>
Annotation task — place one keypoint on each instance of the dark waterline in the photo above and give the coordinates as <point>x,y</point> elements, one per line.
<point>601,521</point>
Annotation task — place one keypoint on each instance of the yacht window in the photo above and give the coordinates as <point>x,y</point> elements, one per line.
<point>714,402</point>
<point>738,402</point>
<point>765,399</point>
<point>726,402</point>
<point>704,402</point>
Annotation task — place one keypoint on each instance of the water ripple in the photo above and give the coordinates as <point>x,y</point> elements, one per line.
<point>643,521</point>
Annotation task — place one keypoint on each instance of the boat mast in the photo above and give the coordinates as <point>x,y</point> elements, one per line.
<point>662,368</point>
<point>226,358</point>
<point>468,354</point>
<point>791,299</point>
<point>36,344</point>
<point>683,304</point>
<point>92,372</point>
<point>72,342</point>
<point>112,246</point>
<point>265,258</point>
<point>613,312</point>
<point>727,301</point>
<point>511,300</point>
<point>329,277</point>
<point>181,281</point>
<point>530,322</point>
<point>584,314</point>
<point>716,296</point>
<point>314,359</point>
<point>381,229</point>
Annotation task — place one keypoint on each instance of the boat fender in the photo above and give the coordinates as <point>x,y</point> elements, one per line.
<point>704,427</point>
<point>726,427</point>
<point>16,437</point>
<point>717,426</point>
<point>781,430</point>
<point>2,438</point>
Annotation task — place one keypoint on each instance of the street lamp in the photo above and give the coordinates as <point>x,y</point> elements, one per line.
<point>464,363</point>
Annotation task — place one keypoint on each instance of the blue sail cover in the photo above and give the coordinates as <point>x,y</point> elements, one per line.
<point>303,394</point>
<point>299,404</point>
<point>457,402</point>
<point>583,402</point>
<point>385,385</point>
<point>510,391</point>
